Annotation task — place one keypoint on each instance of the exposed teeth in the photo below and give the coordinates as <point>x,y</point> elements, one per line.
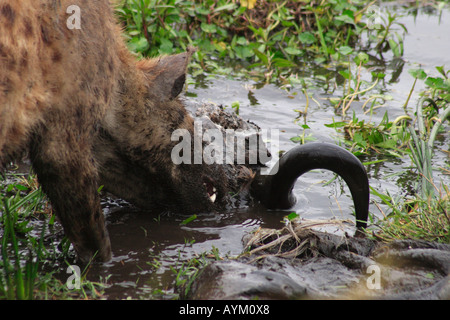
<point>213,196</point>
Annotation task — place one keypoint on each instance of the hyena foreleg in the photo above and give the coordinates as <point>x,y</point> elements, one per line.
<point>66,170</point>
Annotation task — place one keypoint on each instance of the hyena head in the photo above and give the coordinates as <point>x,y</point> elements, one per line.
<point>135,145</point>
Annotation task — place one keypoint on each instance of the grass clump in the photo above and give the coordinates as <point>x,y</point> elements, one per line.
<point>427,214</point>
<point>426,218</point>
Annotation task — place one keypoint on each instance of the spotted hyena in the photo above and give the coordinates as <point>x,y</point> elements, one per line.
<point>89,114</point>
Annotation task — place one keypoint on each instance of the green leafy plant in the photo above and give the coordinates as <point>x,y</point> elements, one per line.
<point>387,137</point>
<point>272,37</point>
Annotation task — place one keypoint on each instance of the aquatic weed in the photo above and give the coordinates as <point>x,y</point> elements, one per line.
<point>426,215</point>
<point>271,37</point>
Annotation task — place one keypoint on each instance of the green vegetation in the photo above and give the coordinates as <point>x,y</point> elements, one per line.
<point>271,39</point>
<point>427,214</point>
<point>26,254</point>
<point>424,214</point>
<point>190,270</point>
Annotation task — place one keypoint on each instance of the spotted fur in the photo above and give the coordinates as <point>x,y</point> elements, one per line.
<point>89,114</point>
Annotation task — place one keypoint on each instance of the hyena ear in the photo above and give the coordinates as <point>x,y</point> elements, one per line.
<point>167,74</point>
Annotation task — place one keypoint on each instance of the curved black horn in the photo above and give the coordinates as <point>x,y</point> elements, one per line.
<point>275,190</point>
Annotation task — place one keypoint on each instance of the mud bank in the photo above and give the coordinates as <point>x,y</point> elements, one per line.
<point>298,262</point>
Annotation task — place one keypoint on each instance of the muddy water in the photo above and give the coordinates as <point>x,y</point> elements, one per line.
<point>146,246</point>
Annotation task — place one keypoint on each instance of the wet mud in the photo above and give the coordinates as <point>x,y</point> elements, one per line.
<point>298,262</point>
